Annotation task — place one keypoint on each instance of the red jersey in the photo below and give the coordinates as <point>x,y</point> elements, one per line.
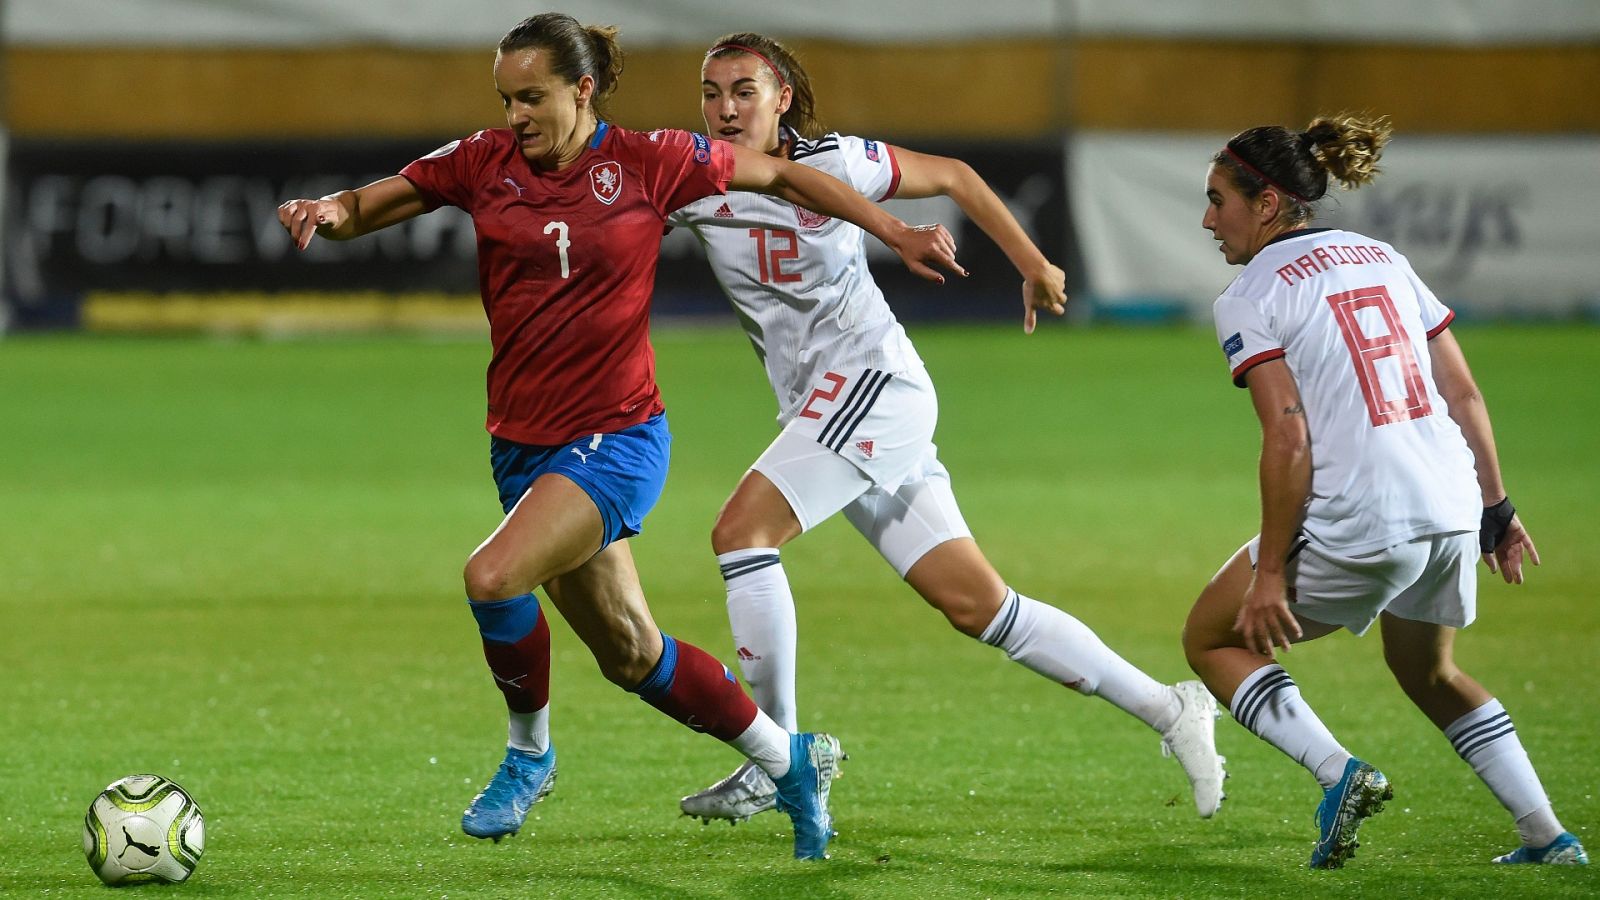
<point>566,266</point>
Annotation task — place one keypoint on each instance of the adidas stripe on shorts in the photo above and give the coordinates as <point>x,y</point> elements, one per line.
<point>863,444</point>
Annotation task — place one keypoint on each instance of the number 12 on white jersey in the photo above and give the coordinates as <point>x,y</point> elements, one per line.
<point>562,243</point>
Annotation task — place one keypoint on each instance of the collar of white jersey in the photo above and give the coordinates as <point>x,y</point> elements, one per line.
<point>788,140</point>
<point>1296,233</point>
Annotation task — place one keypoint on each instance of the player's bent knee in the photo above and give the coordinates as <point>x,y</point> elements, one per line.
<point>486,582</point>
<point>971,619</point>
<point>1201,638</point>
<point>968,608</point>
<point>730,534</point>
<point>1194,651</point>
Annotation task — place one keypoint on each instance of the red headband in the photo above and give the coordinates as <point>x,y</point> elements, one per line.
<point>753,52</point>
<point>1228,149</point>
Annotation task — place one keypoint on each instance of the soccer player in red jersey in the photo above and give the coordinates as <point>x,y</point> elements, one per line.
<point>569,213</point>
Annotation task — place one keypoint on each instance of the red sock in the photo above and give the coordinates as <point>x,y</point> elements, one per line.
<point>522,669</point>
<point>689,685</point>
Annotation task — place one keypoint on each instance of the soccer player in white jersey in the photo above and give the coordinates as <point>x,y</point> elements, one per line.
<point>857,411</point>
<point>1379,482</point>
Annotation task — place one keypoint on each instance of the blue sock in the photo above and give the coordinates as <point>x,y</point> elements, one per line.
<point>655,686</point>
<point>506,621</point>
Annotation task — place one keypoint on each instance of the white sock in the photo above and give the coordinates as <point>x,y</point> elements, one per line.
<point>761,613</point>
<point>530,731</point>
<point>1487,740</point>
<point>766,744</point>
<point>1268,703</point>
<point>1061,648</point>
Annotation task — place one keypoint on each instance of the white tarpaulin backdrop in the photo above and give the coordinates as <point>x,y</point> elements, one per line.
<point>475,22</point>
<point>1496,226</point>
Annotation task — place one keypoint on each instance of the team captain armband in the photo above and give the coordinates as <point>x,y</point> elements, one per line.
<point>1496,519</point>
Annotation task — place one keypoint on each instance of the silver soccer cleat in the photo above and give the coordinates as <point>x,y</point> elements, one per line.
<point>1193,740</point>
<point>746,792</point>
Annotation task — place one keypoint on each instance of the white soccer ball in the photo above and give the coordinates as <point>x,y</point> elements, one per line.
<point>143,828</point>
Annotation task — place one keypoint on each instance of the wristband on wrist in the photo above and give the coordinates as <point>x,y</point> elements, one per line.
<point>1492,529</point>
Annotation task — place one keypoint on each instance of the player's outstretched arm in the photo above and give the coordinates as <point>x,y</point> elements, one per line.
<point>1502,538</point>
<point>923,248</point>
<point>1044,285</point>
<point>350,214</point>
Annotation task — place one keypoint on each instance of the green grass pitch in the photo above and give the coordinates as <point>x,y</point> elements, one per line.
<point>237,564</point>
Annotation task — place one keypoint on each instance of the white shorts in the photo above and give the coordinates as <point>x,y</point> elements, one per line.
<point>874,458</point>
<point>880,422</point>
<point>1433,578</point>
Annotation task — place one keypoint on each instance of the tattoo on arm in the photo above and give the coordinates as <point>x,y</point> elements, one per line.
<point>1298,409</point>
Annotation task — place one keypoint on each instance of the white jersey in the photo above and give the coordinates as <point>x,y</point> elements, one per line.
<point>1352,321</point>
<point>798,280</point>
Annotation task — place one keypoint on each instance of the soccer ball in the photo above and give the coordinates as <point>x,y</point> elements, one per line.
<point>143,828</point>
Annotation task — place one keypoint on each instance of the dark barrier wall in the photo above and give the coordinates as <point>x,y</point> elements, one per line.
<point>200,219</point>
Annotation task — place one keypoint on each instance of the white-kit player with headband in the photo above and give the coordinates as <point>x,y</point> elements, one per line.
<point>857,412</point>
<point>1380,484</point>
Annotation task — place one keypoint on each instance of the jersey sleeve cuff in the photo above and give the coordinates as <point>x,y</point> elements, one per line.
<point>1449,316</point>
<point>894,174</point>
<point>430,200</point>
<point>1264,356</point>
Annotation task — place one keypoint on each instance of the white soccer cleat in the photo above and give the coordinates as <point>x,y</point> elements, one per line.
<point>746,792</point>
<point>1193,740</point>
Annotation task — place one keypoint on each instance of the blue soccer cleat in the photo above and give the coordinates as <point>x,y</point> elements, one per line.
<point>803,792</point>
<point>1359,795</point>
<point>522,780</point>
<point>1563,851</point>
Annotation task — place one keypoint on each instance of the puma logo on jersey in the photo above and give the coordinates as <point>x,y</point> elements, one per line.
<point>865,447</point>
<point>723,212</point>
<point>514,186</point>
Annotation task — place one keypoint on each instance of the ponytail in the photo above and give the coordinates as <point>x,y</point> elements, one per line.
<point>574,50</point>
<point>1298,163</point>
<point>1348,147</point>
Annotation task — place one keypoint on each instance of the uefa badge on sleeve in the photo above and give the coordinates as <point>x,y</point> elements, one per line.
<point>606,181</point>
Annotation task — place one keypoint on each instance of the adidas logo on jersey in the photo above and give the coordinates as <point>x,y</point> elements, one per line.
<point>723,212</point>
<point>746,655</point>
<point>865,447</point>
